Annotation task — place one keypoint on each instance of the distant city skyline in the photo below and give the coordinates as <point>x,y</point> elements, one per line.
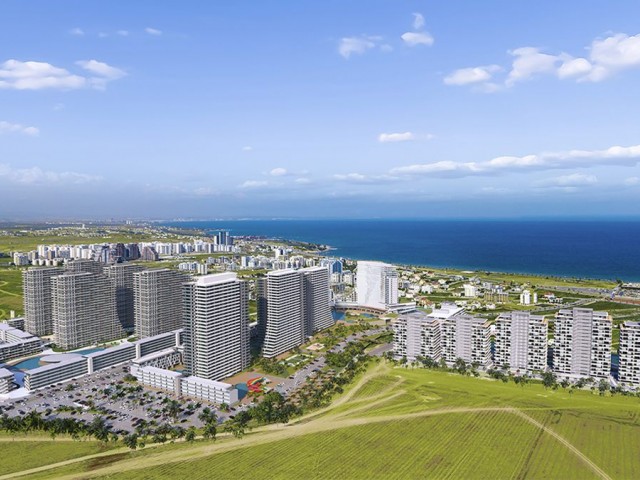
<point>334,109</point>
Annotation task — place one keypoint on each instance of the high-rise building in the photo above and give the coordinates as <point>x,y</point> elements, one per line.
<point>84,310</point>
<point>281,311</point>
<point>132,251</point>
<point>521,341</point>
<point>467,337</point>
<point>582,343</point>
<point>83,265</point>
<point>149,254</point>
<point>416,335</point>
<point>376,284</point>
<point>38,303</point>
<point>216,326</point>
<point>122,276</point>
<point>629,354</point>
<point>157,301</point>
<point>317,298</point>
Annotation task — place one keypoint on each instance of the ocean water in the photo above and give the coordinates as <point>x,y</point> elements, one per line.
<point>592,249</point>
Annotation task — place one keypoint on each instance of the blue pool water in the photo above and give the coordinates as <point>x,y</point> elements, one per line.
<point>242,390</point>
<point>31,363</point>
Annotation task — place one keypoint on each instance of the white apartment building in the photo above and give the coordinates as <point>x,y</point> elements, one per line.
<point>209,390</point>
<point>157,301</point>
<point>466,337</point>
<point>317,299</point>
<point>376,284</point>
<point>84,310</point>
<point>629,354</point>
<point>417,334</point>
<point>216,326</point>
<point>6,381</point>
<point>521,342</point>
<point>281,311</point>
<point>582,344</point>
<point>38,303</point>
<point>470,290</point>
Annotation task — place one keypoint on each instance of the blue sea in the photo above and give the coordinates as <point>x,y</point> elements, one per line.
<point>576,248</point>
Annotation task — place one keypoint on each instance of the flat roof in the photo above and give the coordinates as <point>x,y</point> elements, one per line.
<point>53,366</point>
<point>161,371</point>
<point>122,346</point>
<point>5,373</point>
<point>277,273</point>
<point>208,383</point>
<point>216,278</point>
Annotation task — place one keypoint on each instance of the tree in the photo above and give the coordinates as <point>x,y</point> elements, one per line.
<point>190,435</point>
<point>603,386</point>
<point>131,441</point>
<point>549,379</point>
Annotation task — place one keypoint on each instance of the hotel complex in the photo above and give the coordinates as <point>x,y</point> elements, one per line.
<point>376,285</point>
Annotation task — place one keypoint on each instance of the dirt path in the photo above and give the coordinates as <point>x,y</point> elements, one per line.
<point>320,421</point>
<point>601,473</point>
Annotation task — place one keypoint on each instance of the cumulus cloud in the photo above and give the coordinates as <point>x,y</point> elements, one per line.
<point>418,21</point>
<point>18,75</point>
<point>153,31</point>
<point>254,184</point>
<point>356,45</point>
<point>528,63</point>
<point>466,76</point>
<point>37,176</point>
<point>396,137</point>
<point>7,127</point>
<point>574,158</point>
<point>417,38</point>
<point>278,172</point>
<point>78,32</point>
<point>607,56</point>
<point>247,148</point>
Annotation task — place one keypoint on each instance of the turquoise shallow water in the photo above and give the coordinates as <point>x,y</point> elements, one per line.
<point>594,249</point>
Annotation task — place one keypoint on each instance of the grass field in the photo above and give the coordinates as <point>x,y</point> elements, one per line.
<point>403,423</point>
<point>10,292</point>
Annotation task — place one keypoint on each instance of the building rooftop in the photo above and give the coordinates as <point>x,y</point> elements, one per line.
<point>161,371</point>
<point>215,278</point>
<point>209,383</point>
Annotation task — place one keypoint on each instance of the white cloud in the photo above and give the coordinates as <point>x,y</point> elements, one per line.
<point>574,158</point>
<point>101,69</point>
<point>302,181</point>
<point>18,75</point>
<point>37,176</point>
<point>606,57</point>
<point>396,137</point>
<point>417,38</point>
<point>418,21</point>
<point>247,148</point>
<point>278,172</point>
<point>571,180</point>
<point>466,76</point>
<point>367,179</point>
<point>153,31</point>
<point>123,33</point>
<point>254,184</point>
<point>529,62</point>
<point>78,32</point>
<point>6,127</point>
<point>356,45</point>
<point>632,181</point>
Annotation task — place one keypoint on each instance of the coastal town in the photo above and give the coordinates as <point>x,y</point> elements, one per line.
<point>160,332</point>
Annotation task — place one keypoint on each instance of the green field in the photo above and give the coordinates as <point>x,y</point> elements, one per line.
<point>10,291</point>
<point>402,423</point>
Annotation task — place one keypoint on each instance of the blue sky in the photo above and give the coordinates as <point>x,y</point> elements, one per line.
<point>160,109</point>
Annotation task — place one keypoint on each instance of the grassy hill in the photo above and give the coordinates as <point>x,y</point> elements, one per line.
<point>403,423</point>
